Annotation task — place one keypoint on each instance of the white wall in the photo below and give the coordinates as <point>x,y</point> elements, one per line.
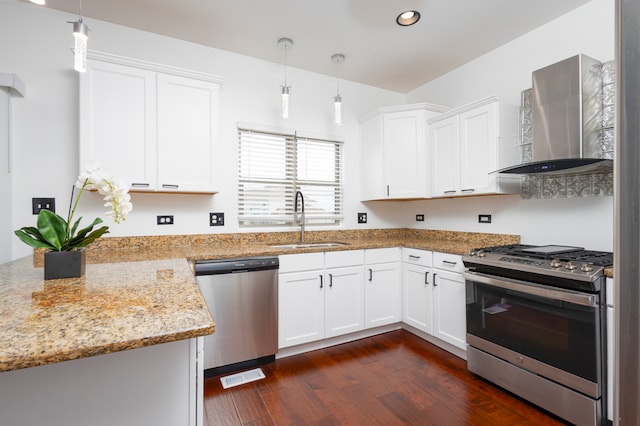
<point>506,71</point>
<point>45,124</point>
<point>45,140</point>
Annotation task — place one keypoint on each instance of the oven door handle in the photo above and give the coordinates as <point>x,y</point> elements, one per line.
<point>533,289</point>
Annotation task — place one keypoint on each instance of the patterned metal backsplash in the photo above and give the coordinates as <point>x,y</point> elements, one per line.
<point>597,184</point>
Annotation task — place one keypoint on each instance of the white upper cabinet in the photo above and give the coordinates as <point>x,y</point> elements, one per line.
<point>468,144</point>
<point>186,126</point>
<point>393,152</point>
<point>118,121</point>
<point>152,128</point>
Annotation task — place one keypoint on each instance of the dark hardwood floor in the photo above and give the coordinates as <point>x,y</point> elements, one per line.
<point>390,379</point>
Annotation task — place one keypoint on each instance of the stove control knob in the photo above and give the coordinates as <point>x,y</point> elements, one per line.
<point>555,263</point>
<point>472,253</point>
<point>586,267</point>
<point>570,265</point>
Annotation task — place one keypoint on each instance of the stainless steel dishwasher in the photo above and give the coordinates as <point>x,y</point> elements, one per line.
<point>242,295</point>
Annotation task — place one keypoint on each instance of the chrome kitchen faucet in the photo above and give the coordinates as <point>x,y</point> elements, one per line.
<point>299,217</point>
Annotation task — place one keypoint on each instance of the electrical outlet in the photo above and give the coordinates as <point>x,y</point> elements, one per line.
<point>38,204</point>
<point>419,218</point>
<point>362,218</point>
<point>484,218</point>
<point>165,220</point>
<point>216,219</point>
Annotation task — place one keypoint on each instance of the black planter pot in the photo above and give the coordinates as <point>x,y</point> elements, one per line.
<point>64,264</point>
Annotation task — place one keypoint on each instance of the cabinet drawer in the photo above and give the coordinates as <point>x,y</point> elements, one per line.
<point>417,257</point>
<point>451,262</point>
<point>382,255</point>
<point>301,262</point>
<point>339,259</point>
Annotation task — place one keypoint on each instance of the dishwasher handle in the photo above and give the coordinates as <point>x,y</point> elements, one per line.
<point>235,266</point>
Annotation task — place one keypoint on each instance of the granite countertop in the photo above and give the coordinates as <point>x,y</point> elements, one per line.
<point>140,291</point>
<point>115,306</point>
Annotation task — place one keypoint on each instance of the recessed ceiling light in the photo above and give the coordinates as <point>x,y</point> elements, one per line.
<point>408,17</point>
<point>40,2</point>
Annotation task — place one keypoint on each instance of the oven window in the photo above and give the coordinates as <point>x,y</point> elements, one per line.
<point>561,334</point>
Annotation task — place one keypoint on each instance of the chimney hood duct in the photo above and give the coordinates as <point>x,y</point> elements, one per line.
<point>566,119</point>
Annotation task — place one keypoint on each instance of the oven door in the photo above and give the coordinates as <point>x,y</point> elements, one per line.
<point>555,333</point>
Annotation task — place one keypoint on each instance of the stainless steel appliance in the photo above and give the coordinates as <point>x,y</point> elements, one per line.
<point>566,119</point>
<point>536,325</point>
<point>242,295</point>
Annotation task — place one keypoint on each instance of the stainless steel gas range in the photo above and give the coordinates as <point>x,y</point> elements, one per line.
<point>536,325</point>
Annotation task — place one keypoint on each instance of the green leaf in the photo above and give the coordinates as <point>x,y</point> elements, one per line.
<point>27,238</point>
<point>53,228</point>
<point>81,240</point>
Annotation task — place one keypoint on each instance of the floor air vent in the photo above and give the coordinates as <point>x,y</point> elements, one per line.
<point>242,378</point>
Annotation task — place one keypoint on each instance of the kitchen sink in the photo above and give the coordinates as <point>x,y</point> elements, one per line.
<point>309,245</point>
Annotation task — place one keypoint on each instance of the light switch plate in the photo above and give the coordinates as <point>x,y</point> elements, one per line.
<point>38,204</point>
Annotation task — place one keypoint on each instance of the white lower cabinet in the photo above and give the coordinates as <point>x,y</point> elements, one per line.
<point>324,295</point>
<point>434,294</point>
<point>382,287</point>
<point>449,306</point>
<point>417,282</point>
<point>300,308</point>
<point>320,295</point>
<point>344,300</point>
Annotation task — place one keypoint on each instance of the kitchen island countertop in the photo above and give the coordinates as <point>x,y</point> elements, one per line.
<point>114,307</point>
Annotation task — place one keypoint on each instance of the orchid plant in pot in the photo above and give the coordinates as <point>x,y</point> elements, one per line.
<point>64,240</point>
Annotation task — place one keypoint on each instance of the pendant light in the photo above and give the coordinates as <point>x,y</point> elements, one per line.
<point>80,35</point>
<point>337,59</point>
<point>286,44</point>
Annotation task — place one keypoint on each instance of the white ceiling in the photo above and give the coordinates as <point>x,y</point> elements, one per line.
<point>378,51</point>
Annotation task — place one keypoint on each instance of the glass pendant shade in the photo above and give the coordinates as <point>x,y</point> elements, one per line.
<point>337,109</point>
<point>285,101</point>
<point>80,35</point>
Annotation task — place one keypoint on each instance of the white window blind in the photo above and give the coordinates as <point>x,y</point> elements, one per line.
<point>274,166</point>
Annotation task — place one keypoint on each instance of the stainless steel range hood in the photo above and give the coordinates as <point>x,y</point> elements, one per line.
<point>566,119</point>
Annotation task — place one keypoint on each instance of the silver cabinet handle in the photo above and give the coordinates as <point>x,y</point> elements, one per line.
<point>453,191</point>
<point>387,190</point>
<point>170,185</point>
<point>450,263</point>
<point>370,274</point>
<point>426,278</point>
<point>467,190</point>
<point>140,185</point>
<point>435,284</point>
<point>330,280</point>
<point>414,256</point>
<point>320,281</point>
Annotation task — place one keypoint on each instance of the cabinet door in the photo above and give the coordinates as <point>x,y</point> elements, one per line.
<point>344,300</point>
<point>118,122</point>
<point>372,181</point>
<point>186,128</point>
<point>445,164</point>
<point>449,308</point>
<point>404,154</point>
<point>382,294</point>
<point>478,145</point>
<point>417,295</point>
<point>300,308</point>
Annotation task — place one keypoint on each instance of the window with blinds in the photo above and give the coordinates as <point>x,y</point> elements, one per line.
<point>274,166</point>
